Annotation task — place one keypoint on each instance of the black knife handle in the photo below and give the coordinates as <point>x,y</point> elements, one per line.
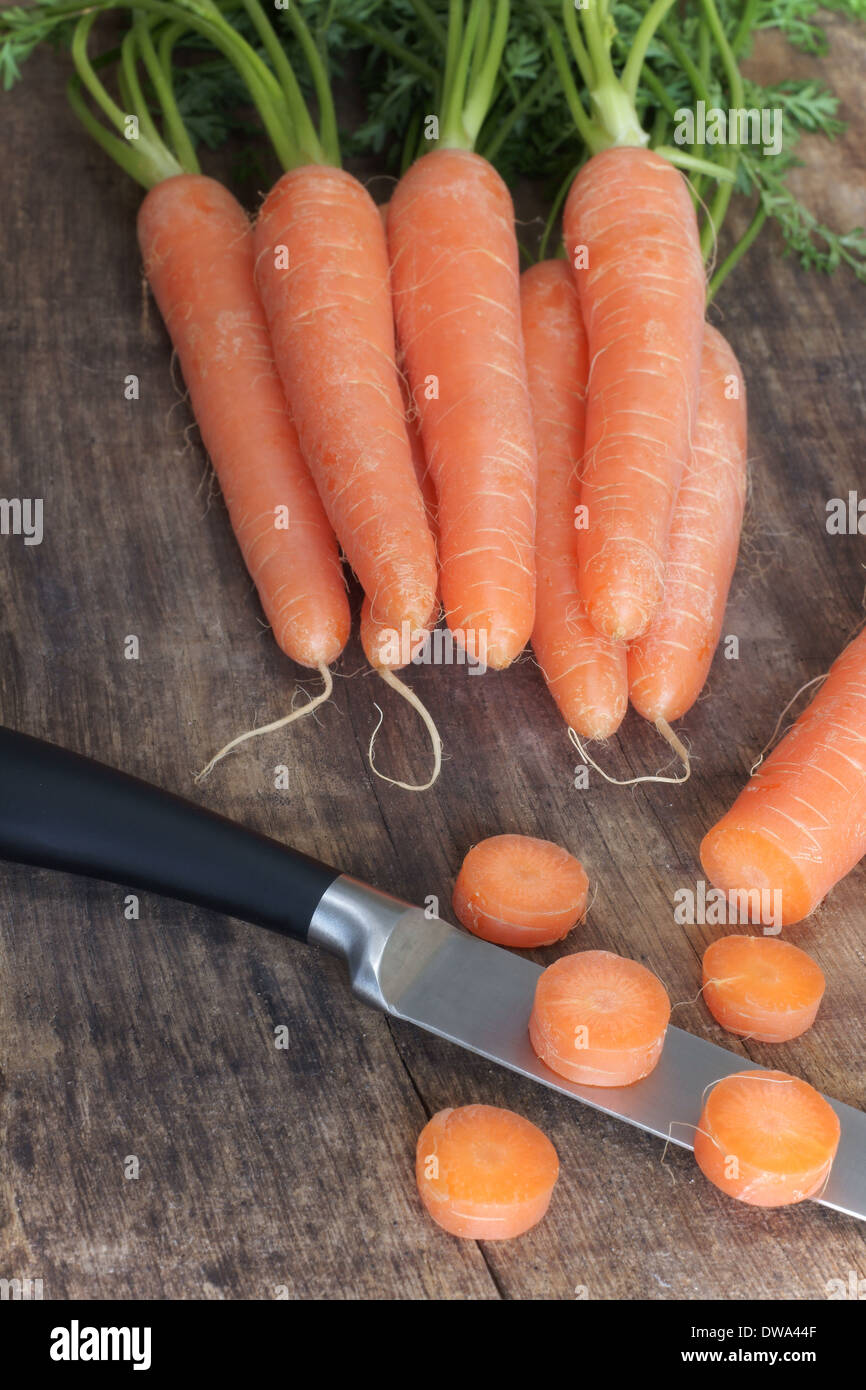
<point>63,811</point>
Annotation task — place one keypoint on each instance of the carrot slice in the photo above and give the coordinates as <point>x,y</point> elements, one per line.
<point>762,987</point>
<point>599,1019</point>
<point>516,890</point>
<point>485,1173</point>
<point>767,1138</point>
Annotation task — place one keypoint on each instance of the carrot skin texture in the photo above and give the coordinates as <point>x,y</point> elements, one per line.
<point>329,310</point>
<point>198,252</point>
<point>642,294</point>
<point>454,273</point>
<point>668,666</point>
<point>799,824</point>
<point>585,671</point>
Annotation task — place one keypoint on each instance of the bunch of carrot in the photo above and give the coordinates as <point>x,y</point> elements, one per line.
<point>541,427</point>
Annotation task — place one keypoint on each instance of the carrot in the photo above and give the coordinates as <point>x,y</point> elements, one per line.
<point>767,1138</point>
<point>642,294</point>
<point>599,1019</point>
<point>668,666</point>
<point>799,825</point>
<point>585,672</point>
<point>197,247</point>
<point>199,257</point>
<point>322,272</point>
<point>455,279</point>
<point>516,890</point>
<point>484,1173</point>
<point>761,987</point>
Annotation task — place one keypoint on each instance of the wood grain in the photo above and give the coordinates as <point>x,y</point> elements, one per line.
<point>266,1170</point>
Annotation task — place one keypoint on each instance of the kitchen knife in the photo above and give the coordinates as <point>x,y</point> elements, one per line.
<point>62,811</point>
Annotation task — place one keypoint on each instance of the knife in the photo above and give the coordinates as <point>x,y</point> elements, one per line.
<point>59,810</point>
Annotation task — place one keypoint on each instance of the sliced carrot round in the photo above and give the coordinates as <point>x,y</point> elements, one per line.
<point>516,890</point>
<point>767,1138</point>
<point>485,1173</point>
<point>599,1019</point>
<point>762,987</point>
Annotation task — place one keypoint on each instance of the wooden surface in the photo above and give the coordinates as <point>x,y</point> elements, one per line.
<point>261,1169</point>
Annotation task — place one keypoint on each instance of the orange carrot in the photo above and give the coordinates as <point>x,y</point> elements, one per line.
<point>767,1138</point>
<point>585,672</point>
<point>761,987</point>
<point>516,890</point>
<point>484,1173</point>
<point>197,247</point>
<point>631,235</point>
<point>322,271</point>
<point>668,666</point>
<point>799,825</point>
<point>454,269</point>
<point>599,1019</point>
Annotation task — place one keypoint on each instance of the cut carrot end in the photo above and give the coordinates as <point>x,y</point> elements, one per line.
<point>484,1173</point>
<point>516,890</point>
<point>761,987</point>
<point>272,728</point>
<point>402,689</point>
<point>767,1138</point>
<point>599,1019</point>
<point>748,863</point>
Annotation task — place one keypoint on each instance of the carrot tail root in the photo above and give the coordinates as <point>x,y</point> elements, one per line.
<point>404,691</point>
<point>306,709</point>
<point>667,733</point>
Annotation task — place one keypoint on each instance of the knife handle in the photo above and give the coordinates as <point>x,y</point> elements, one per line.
<point>59,810</point>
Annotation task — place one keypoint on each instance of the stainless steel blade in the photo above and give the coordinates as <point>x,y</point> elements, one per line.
<point>480,997</point>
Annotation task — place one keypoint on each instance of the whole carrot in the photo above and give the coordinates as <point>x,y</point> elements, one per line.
<point>799,825</point>
<point>632,235</point>
<point>197,247</point>
<point>585,671</point>
<point>322,271</point>
<point>668,666</point>
<point>454,268</point>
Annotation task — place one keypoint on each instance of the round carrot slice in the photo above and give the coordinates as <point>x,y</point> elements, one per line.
<point>599,1019</point>
<point>485,1173</point>
<point>767,1138</point>
<point>515,890</point>
<point>762,987</point>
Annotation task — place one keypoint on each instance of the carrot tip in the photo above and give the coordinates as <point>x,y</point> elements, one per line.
<point>669,737</point>
<point>402,689</point>
<point>272,728</point>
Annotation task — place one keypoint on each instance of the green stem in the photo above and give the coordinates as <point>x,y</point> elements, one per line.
<point>683,160</point>
<point>719,206</point>
<point>481,90</point>
<point>491,148</point>
<point>303,130</point>
<point>159,73</point>
<point>641,42</point>
<point>588,131</point>
<point>377,38</point>
<point>578,47</point>
<point>328,141</point>
<point>133,95</point>
<point>744,28</point>
<point>738,252</point>
<point>430,22</point>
